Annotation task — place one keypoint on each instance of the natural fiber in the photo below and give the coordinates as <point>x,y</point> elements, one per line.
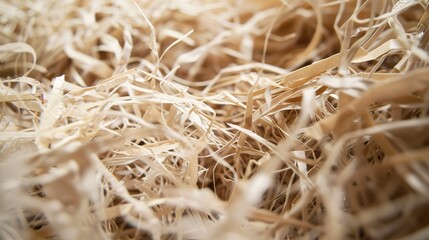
<point>222,119</point>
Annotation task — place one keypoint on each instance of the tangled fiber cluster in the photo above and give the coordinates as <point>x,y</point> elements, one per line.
<point>214,119</point>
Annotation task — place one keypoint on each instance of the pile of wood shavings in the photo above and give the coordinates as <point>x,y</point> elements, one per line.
<point>226,119</point>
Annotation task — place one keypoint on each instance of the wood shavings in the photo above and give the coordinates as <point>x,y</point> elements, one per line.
<point>217,119</point>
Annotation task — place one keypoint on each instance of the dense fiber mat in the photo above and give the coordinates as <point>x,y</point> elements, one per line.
<point>222,119</point>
